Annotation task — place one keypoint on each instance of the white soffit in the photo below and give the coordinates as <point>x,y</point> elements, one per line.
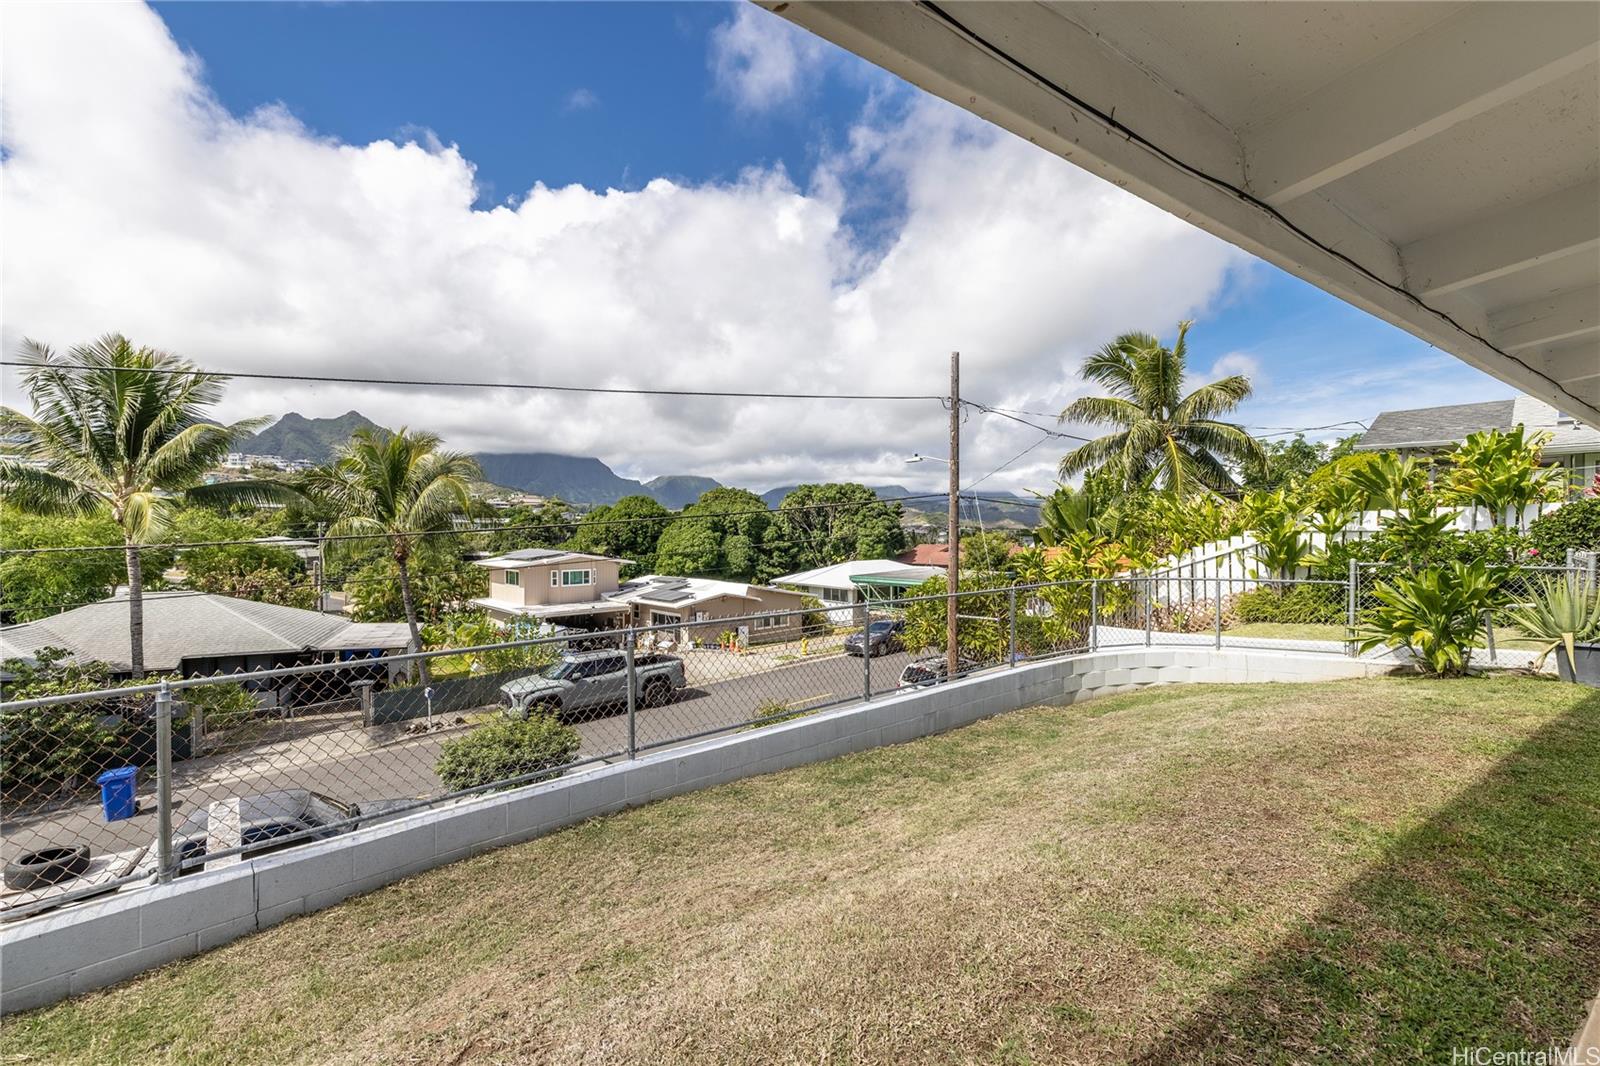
<point>1436,164</point>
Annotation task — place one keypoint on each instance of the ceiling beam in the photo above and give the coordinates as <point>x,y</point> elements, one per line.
<point>1548,320</point>
<point>1503,243</point>
<point>1475,60</point>
<point>1570,367</point>
<point>939,46</point>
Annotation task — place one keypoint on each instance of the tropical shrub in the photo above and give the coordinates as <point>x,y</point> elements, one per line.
<point>1412,536</point>
<point>1304,603</point>
<point>1389,483</point>
<point>65,746</point>
<point>1559,613</point>
<point>1282,547</point>
<point>1500,470</point>
<point>1575,526</point>
<point>1436,614</point>
<point>507,748</point>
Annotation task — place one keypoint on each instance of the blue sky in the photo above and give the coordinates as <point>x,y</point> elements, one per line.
<point>751,121</point>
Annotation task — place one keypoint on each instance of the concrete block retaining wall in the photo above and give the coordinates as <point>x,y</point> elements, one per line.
<point>103,941</point>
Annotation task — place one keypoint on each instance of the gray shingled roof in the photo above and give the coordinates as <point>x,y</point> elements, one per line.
<point>187,625</point>
<point>1436,425</point>
<point>1433,426</point>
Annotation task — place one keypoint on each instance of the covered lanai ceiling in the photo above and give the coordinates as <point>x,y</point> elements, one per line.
<point>1436,164</point>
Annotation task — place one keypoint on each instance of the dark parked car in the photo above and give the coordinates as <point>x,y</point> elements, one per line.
<point>883,636</point>
<point>266,819</point>
<point>920,673</point>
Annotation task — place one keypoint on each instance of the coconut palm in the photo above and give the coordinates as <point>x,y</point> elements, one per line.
<point>396,486</point>
<point>122,430</point>
<point>1178,438</point>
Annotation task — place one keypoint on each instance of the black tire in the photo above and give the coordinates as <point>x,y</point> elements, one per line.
<point>47,866</point>
<point>657,693</point>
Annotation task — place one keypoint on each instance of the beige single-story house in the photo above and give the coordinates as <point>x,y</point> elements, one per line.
<point>703,608</point>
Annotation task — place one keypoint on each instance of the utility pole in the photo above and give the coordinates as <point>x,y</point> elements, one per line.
<point>953,567</point>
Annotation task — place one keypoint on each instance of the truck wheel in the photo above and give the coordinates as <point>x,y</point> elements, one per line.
<point>47,866</point>
<point>546,707</point>
<point>657,693</point>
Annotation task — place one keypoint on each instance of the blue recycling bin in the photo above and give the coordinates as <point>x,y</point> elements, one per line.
<point>116,792</point>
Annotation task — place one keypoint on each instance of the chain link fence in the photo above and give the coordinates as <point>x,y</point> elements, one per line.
<point>120,785</point>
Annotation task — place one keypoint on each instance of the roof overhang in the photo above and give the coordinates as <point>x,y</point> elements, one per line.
<point>1437,165</point>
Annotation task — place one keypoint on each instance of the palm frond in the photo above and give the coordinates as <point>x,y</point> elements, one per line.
<point>42,492</point>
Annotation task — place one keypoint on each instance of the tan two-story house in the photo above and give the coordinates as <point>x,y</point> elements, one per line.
<point>553,585</point>
<point>580,591</point>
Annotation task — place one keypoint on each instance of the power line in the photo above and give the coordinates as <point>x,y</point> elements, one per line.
<point>520,385</point>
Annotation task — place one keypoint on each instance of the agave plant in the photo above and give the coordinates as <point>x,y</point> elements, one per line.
<point>1559,613</point>
<point>1435,614</point>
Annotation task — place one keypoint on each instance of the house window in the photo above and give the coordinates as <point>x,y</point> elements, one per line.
<point>571,577</point>
<point>771,620</point>
<point>661,618</point>
<point>513,577</point>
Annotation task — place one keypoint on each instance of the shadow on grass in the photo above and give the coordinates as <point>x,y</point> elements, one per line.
<point>1480,929</point>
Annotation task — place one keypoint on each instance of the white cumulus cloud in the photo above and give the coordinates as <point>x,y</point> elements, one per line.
<point>761,61</point>
<point>132,201</point>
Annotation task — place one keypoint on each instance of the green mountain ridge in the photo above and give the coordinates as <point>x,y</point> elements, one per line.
<point>294,436</point>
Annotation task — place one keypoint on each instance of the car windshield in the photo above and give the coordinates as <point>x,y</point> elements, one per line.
<point>559,670</point>
<point>882,627</point>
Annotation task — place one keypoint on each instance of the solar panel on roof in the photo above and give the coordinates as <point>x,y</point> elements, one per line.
<point>672,596</point>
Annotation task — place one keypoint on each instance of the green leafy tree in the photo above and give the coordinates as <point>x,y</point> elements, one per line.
<point>121,431</point>
<point>396,487</point>
<point>987,552</point>
<point>441,583</point>
<point>628,529</point>
<point>260,572</point>
<point>819,525</point>
<point>33,586</point>
<point>1284,463</point>
<point>721,533</point>
<point>1179,438</point>
<point>546,526</point>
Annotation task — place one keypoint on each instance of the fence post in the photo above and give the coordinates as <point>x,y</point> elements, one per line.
<point>1149,607</point>
<point>164,782</point>
<point>1350,610</point>
<point>1488,633</point>
<point>1094,615</point>
<point>1011,623</point>
<point>364,698</point>
<point>633,692</point>
<point>1218,611</point>
<point>866,655</point>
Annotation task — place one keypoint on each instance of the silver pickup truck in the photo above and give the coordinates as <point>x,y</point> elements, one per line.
<point>590,684</point>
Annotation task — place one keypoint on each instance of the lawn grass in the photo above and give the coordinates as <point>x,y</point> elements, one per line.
<point>1287,631</point>
<point>1363,870</point>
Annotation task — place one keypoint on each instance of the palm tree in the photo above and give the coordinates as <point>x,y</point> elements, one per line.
<point>397,486</point>
<point>121,429</point>
<point>1161,432</point>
